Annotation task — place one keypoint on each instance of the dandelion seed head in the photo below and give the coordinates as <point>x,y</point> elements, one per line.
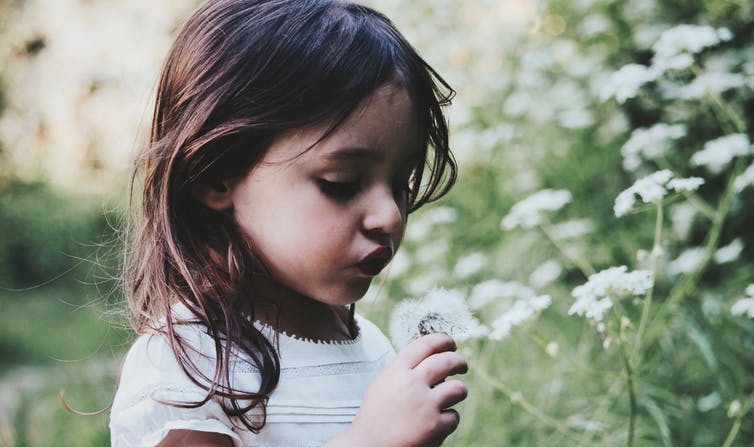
<point>528,212</point>
<point>440,310</point>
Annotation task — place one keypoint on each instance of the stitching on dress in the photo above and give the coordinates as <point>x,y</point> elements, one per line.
<point>320,370</point>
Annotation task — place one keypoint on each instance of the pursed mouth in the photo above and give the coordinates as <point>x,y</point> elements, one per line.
<point>374,262</point>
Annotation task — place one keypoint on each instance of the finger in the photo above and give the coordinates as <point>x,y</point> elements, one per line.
<point>437,367</point>
<point>423,347</point>
<point>449,420</point>
<point>450,393</point>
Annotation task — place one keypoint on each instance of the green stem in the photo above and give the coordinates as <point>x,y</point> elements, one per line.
<point>582,264</point>
<point>519,400</point>
<point>631,395</point>
<point>737,422</point>
<point>687,285</point>
<point>656,247</point>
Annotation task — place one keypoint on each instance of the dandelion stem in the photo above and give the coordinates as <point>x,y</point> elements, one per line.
<point>582,264</point>
<point>656,247</point>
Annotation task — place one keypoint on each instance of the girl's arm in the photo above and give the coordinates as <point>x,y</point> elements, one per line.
<point>193,438</point>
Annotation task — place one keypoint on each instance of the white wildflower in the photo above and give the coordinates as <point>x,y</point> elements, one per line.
<point>710,82</point>
<point>681,218</point>
<point>730,252</point>
<point>650,188</point>
<point>734,409</point>
<point>593,299</point>
<point>545,273</point>
<point>745,180</point>
<point>709,402</point>
<point>528,212</point>
<point>400,264</point>
<point>624,203</point>
<point>519,313</point>
<point>552,349</point>
<point>686,39</point>
<point>422,225</point>
<point>572,228</point>
<point>744,306</point>
<point>719,152</point>
<point>591,307</point>
<point>677,62</point>
<point>469,265</point>
<point>649,143</point>
<point>615,282</point>
<point>685,184</point>
<point>487,291</point>
<point>626,82</point>
<point>687,262</point>
<point>440,310</point>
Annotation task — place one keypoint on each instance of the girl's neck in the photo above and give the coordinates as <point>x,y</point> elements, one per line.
<point>298,315</point>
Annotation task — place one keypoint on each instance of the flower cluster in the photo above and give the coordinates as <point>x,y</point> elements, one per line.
<point>745,180</point>
<point>719,152</point>
<point>675,47</point>
<point>593,299</point>
<point>674,50</point>
<point>649,143</point>
<point>745,306</point>
<point>440,310</point>
<point>521,311</point>
<point>528,212</point>
<point>652,188</point>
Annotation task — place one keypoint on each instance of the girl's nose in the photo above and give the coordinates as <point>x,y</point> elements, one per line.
<point>384,214</point>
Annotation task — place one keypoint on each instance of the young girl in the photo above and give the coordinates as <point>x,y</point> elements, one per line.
<point>290,140</point>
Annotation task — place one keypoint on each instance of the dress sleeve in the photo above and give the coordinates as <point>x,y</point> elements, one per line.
<point>151,373</point>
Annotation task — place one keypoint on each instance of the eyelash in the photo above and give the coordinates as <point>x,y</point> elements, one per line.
<point>344,191</point>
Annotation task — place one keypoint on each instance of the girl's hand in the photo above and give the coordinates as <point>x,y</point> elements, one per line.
<point>408,405</point>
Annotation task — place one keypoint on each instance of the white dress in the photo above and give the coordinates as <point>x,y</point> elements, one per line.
<point>319,393</point>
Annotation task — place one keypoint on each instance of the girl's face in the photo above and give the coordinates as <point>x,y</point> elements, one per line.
<point>315,219</point>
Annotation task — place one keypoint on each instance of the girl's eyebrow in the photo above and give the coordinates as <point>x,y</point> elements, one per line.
<point>345,153</point>
<point>360,152</point>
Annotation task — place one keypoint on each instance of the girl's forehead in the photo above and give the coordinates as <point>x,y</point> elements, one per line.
<point>384,123</point>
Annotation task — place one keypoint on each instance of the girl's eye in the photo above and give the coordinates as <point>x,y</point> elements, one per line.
<point>339,190</point>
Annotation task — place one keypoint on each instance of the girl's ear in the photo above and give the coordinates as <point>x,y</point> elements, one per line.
<point>215,196</point>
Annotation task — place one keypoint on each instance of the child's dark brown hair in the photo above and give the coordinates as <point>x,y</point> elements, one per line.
<point>240,73</point>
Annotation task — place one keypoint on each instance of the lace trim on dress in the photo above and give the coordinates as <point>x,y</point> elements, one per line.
<point>298,338</point>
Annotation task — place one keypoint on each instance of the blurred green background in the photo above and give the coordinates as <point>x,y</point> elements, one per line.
<point>76,78</point>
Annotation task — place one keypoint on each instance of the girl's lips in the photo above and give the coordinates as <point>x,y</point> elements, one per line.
<point>375,261</point>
